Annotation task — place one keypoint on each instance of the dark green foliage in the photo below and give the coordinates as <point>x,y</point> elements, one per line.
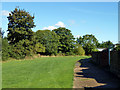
<point>78,50</point>
<point>24,42</point>
<point>21,49</point>
<point>117,48</point>
<point>6,49</point>
<point>49,39</point>
<point>89,43</point>
<point>19,26</point>
<point>20,36</point>
<point>66,39</point>
<point>105,44</point>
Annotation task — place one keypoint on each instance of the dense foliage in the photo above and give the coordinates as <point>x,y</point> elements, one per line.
<point>6,49</point>
<point>89,43</point>
<point>105,44</point>
<point>78,50</point>
<point>49,39</point>
<point>66,40</point>
<point>19,26</point>
<point>22,41</point>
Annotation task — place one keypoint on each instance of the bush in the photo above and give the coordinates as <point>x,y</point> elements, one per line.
<point>21,49</point>
<point>60,54</point>
<point>69,53</point>
<point>6,49</point>
<point>78,50</point>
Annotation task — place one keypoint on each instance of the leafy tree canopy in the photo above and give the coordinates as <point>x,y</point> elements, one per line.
<point>49,39</point>
<point>66,39</point>
<point>19,26</point>
<point>89,43</point>
<point>105,44</point>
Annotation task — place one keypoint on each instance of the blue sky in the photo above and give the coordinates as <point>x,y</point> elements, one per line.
<point>97,18</point>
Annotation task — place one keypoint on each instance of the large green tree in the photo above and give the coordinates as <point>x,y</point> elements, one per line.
<point>19,26</point>
<point>66,39</point>
<point>20,34</point>
<point>89,43</point>
<point>49,39</point>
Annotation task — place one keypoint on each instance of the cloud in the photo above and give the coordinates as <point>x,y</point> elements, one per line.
<point>5,13</point>
<point>49,28</point>
<point>76,36</point>
<point>60,24</point>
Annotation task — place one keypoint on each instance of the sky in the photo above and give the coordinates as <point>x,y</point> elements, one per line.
<point>97,18</point>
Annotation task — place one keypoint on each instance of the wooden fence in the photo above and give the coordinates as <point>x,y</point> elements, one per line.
<point>115,62</point>
<point>101,59</point>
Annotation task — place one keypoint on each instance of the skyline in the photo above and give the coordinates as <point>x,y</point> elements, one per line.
<point>99,19</point>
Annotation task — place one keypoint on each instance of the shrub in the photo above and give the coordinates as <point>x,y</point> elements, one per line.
<point>6,49</point>
<point>60,54</point>
<point>78,50</point>
<point>21,49</point>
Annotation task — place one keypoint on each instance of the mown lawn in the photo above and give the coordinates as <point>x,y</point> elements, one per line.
<point>44,72</point>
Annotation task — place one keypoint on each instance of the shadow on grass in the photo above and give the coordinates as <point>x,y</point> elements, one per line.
<point>103,79</point>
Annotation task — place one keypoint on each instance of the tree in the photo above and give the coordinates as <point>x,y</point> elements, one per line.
<point>49,39</point>
<point>66,39</point>
<point>20,34</point>
<point>105,44</point>
<point>89,43</point>
<point>19,26</point>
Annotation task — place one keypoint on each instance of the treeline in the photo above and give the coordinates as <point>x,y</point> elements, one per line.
<point>21,41</point>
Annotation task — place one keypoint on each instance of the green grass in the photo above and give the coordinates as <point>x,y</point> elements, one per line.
<point>44,72</point>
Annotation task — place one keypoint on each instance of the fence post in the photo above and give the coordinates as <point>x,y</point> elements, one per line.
<point>109,55</point>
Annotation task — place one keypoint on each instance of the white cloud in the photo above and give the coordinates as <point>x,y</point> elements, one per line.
<point>76,36</point>
<point>49,28</point>
<point>5,13</point>
<point>60,24</point>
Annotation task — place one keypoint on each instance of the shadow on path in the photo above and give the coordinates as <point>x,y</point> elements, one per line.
<point>92,76</point>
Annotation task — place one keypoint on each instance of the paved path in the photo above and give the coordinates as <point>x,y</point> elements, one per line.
<point>88,75</point>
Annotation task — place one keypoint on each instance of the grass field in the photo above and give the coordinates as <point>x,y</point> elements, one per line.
<point>44,72</point>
